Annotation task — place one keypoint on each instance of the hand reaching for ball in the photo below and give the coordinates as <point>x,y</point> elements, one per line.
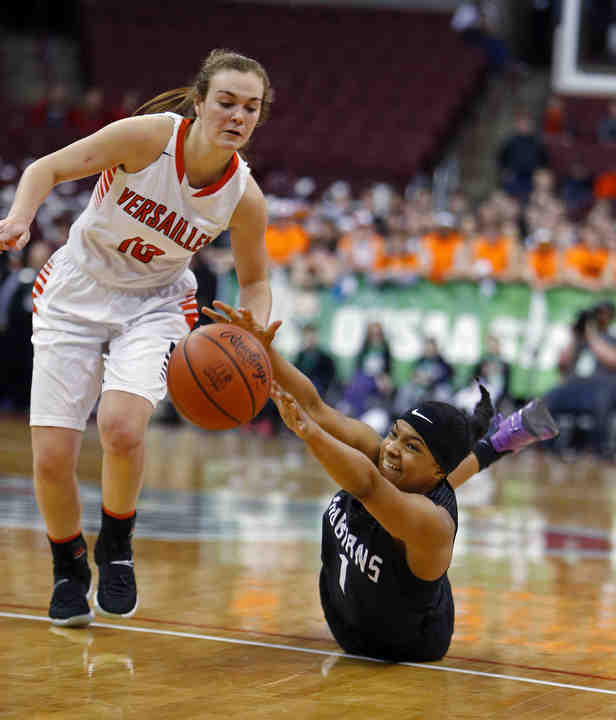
<point>242,317</point>
<point>292,413</point>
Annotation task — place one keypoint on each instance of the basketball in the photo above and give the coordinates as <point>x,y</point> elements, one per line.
<point>219,376</point>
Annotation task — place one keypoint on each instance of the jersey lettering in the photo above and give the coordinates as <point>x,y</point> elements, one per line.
<point>375,571</point>
<point>353,550</point>
<point>144,252</point>
<point>344,564</point>
<point>361,556</point>
<point>156,215</point>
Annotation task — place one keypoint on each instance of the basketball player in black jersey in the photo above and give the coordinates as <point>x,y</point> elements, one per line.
<point>388,534</point>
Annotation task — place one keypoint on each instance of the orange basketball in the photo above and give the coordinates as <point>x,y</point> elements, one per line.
<point>219,376</point>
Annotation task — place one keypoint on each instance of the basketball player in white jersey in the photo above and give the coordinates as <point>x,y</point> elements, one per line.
<point>109,304</point>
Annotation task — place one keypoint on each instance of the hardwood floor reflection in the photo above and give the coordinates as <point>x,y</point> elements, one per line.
<point>229,623</point>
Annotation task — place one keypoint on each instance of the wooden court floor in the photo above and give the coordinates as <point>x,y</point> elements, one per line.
<point>229,623</point>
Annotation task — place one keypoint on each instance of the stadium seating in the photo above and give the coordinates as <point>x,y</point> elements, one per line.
<point>361,94</point>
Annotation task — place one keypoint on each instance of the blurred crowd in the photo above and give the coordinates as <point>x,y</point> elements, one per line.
<point>534,227</point>
<point>84,114</point>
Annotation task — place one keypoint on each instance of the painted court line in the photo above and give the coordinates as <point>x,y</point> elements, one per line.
<point>311,651</point>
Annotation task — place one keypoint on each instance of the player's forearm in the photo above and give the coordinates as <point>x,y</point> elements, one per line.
<point>257,297</point>
<point>293,381</point>
<point>465,470</point>
<point>36,183</point>
<point>348,467</point>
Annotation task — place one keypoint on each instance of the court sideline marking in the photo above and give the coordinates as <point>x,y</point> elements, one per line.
<point>312,651</point>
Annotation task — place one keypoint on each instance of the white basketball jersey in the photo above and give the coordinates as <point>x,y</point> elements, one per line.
<point>140,230</point>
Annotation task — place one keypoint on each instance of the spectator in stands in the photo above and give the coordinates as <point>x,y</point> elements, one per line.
<point>542,262</point>
<point>604,186</point>
<point>127,105</point>
<point>285,238</point>
<point>90,115</point>
<point>520,154</point>
<point>337,202</point>
<point>381,201</point>
<point>443,248</point>
<point>576,189</point>
<point>16,326</point>
<point>458,205</point>
<point>600,218</point>
<point>318,267</point>
<point>315,362</point>
<point>495,373</point>
<point>589,366</point>
<point>474,19</point>
<point>361,248</point>
<point>53,109</point>
<point>554,122</point>
<point>607,126</point>
<point>431,378</point>
<point>401,262</point>
<point>495,254</point>
<point>586,262</point>
<point>418,209</point>
<point>371,383</point>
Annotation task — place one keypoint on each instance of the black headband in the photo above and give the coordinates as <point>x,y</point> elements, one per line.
<point>444,429</point>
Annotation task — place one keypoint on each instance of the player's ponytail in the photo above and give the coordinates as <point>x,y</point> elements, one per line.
<point>180,100</point>
<point>479,421</point>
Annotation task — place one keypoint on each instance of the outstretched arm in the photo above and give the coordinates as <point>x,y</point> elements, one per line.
<point>131,142</point>
<point>352,432</point>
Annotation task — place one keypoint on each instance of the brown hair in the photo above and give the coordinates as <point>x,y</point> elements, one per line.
<point>182,100</point>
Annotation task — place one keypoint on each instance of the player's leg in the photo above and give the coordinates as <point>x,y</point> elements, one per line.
<point>134,383</point>
<point>531,424</point>
<point>122,423</point>
<point>66,381</point>
<point>65,384</point>
<point>55,452</point>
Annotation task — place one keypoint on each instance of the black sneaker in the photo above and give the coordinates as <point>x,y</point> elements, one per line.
<point>69,602</point>
<point>71,584</point>
<point>116,595</point>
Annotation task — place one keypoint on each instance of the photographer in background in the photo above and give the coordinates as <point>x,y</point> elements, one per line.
<point>589,367</point>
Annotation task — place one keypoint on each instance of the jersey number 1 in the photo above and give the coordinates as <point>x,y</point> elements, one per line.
<point>344,564</point>
<point>141,251</point>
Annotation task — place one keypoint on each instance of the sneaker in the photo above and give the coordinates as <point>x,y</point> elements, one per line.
<point>532,423</point>
<point>116,595</point>
<point>69,605</point>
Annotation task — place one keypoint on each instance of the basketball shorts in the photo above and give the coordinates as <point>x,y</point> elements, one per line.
<point>89,338</point>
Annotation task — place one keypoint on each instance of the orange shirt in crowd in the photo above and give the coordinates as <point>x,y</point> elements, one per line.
<point>605,185</point>
<point>403,264</point>
<point>497,253</point>
<point>441,250</point>
<point>284,241</point>
<point>543,261</point>
<point>589,262</point>
<point>397,264</point>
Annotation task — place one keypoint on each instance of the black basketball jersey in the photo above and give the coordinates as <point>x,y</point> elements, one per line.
<point>372,601</point>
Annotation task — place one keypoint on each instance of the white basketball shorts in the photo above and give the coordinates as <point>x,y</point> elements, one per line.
<point>89,338</point>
